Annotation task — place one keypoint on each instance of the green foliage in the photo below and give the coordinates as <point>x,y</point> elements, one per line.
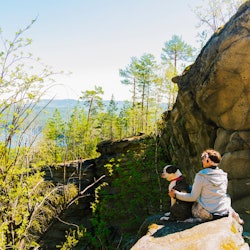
<point>93,102</point>
<point>75,134</point>
<point>72,238</point>
<point>143,75</point>
<point>52,145</point>
<point>28,202</point>
<point>136,194</point>
<point>94,204</point>
<point>100,238</point>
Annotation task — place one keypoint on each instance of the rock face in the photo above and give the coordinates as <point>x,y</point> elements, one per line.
<point>220,234</point>
<point>212,109</point>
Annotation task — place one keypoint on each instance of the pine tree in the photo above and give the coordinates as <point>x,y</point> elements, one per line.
<point>177,51</point>
<point>54,137</point>
<point>112,117</point>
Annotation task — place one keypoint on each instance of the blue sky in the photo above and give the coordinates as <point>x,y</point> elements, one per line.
<point>93,39</point>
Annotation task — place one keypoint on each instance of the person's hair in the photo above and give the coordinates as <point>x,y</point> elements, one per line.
<point>213,155</point>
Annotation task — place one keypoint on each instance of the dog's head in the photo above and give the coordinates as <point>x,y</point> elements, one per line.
<point>170,172</point>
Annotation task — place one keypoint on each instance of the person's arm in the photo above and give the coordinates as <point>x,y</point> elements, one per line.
<point>195,193</point>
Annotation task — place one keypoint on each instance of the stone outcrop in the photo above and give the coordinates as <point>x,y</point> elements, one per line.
<point>212,109</point>
<point>111,148</point>
<point>83,173</point>
<point>219,234</point>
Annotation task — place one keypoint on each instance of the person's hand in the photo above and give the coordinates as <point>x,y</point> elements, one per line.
<point>172,193</point>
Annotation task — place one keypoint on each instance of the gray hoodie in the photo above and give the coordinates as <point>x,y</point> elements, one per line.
<point>210,190</point>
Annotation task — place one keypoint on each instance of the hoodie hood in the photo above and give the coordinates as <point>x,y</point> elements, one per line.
<point>216,177</point>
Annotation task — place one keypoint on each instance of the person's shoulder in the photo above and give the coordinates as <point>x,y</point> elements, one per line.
<point>200,175</point>
<point>222,172</point>
<point>203,171</point>
<point>210,171</point>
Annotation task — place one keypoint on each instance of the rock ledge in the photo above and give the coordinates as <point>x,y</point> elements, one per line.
<point>224,233</point>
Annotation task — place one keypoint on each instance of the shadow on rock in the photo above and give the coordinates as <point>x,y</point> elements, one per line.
<point>162,227</point>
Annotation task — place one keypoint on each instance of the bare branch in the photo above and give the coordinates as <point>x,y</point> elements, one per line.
<point>80,195</point>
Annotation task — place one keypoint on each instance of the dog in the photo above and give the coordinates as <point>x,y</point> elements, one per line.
<point>179,210</point>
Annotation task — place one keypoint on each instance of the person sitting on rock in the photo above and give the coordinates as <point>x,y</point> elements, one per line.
<point>209,190</point>
<point>179,210</point>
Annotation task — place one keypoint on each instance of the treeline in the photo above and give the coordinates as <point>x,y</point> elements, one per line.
<point>90,123</point>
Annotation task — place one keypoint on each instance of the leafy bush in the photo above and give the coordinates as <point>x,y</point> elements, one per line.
<point>134,193</point>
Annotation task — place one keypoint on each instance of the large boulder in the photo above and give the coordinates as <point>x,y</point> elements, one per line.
<point>212,109</point>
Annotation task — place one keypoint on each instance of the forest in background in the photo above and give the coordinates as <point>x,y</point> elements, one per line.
<point>28,202</point>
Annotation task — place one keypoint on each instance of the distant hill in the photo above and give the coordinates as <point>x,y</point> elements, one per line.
<point>70,103</point>
<point>65,107</point>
